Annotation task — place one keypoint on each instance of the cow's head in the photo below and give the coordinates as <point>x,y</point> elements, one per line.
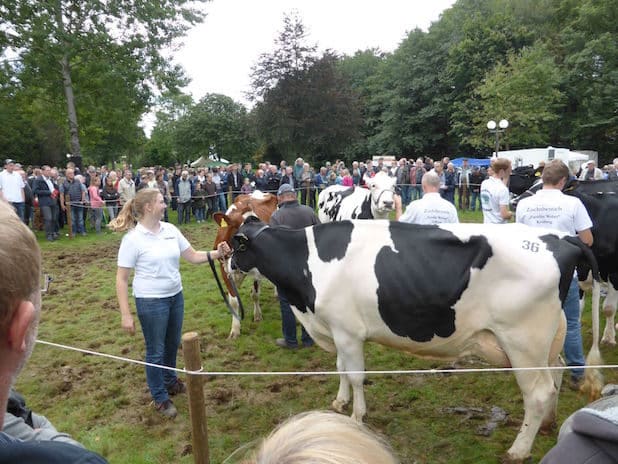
<point>244,258</point>
<point>228,225</point>
<point>538,185</point>
<point>258,203</point>
<point>382,188</point>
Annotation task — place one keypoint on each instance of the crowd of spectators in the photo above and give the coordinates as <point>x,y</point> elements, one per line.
<point>43,196</point>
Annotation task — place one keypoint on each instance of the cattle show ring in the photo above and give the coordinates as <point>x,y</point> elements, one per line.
<point>476,309</point>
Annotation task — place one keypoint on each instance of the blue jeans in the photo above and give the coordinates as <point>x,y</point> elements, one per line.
<point>288,323</point>
<point>96,216</point>
<point>475,198</point>
<point>161,320</point>
<point>406,197</point>
<point>20,209</point>
<point>222,202</point>
<point>417,192</point>
<point>573,346</point>
<point>200,213</point>
<point>184,212</point>
<point>77,218</point>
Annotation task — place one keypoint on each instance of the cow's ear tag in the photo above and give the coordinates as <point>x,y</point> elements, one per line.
<point>223,223</point>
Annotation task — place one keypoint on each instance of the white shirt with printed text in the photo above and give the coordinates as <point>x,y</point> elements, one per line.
<point>431,209</point>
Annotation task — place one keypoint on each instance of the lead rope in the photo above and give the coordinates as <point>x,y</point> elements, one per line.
<point>227,303</point>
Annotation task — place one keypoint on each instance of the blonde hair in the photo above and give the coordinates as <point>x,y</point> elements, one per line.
<point>499,164</point>
<point>554,172</point>
<point>20,263</point>
<point>322,437</point>
<point>133,210</point>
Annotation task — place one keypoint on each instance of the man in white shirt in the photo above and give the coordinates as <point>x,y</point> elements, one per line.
<point>495,194</point>
<point>12,188</point>
<point>431,209</point>
<point>591,172</point>
<point>552,209</point>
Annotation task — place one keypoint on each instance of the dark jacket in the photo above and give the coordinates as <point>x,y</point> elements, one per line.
<point>111,197</point>
<point>210,188</point>
<point>234,186</point>
<point>41,190</point>
<point>261,183</point>
<point>294,215</point>
<point>287,180</point>
<point>44,452</point>
<point>273,182</point>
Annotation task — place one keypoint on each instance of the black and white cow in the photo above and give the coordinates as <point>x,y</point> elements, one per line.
<point>336,203</point>
<point>601,201</point>
<point>441,292</point>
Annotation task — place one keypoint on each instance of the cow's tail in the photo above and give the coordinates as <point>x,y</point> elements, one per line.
<point>593,379</point>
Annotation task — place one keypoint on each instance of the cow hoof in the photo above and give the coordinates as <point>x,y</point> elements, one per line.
<point>548,428</point>
<point>356,418</point>
<point>257,317</point>
<point>511,460</point>
<point>608,342</point>
<point>339,406</point>
<point>233,335</point>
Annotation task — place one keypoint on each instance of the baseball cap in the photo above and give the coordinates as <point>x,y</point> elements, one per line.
<point>285,188</point>
<point>9,161</point>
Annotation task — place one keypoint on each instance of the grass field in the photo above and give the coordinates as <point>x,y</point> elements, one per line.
<point>105,403</point>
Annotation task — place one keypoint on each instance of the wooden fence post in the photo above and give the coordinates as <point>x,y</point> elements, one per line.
<point>197,404</point>
<point>69,218</point>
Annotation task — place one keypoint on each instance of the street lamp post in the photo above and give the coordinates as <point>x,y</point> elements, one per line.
<point>497,129</point>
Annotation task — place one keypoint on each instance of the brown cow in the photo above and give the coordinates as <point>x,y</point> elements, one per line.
<point>263,205</point>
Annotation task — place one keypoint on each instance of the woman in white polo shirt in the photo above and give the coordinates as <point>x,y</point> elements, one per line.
<point>495,193</point>
<point>153,249</point>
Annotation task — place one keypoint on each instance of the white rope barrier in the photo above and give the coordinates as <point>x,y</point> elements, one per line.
<point>308,373</point>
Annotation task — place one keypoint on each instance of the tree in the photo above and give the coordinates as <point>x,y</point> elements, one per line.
<point>588,49</point>
<point>526,90</point>
<point>305,104</point>
<point>481,34</point>
<point>161,147</point>
<point>410,108</point>
<point>62,42</point>
<point>290,57</point>
<point>215,123</point>
<point>363,71</point>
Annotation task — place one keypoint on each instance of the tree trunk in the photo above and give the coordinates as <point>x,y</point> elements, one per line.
<point>68,85</point>
<point>68,92</point>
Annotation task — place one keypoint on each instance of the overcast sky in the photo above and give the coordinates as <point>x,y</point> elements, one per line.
<point>219,53</point>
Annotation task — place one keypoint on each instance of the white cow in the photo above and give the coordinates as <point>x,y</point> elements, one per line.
<point>442,292</point>
<point>336,203</point>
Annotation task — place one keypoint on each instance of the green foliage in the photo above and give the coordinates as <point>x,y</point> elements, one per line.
<point>527,88</point>
<point>215,124</point>
<point>112,65</point>
<point>588,47</point>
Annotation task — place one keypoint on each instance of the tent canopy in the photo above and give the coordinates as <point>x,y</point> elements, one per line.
<point>203,161</point>
<point>457,162</point>
<point>533,156</point>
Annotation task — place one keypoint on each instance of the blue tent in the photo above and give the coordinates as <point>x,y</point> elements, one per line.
<point>457,162</point>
